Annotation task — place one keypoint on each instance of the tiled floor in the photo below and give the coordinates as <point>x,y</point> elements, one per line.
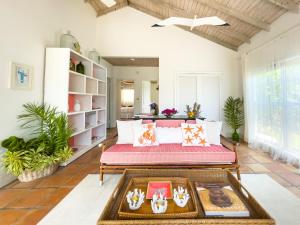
<point>27,203</point>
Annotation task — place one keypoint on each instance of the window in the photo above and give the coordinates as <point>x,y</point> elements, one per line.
<point>272,98</point>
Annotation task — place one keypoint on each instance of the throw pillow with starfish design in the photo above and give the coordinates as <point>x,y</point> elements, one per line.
<point>194,135</point>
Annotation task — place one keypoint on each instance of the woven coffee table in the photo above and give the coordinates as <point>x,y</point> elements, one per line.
<point>110,214</point>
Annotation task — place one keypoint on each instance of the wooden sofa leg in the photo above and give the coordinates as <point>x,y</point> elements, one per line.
<point>101,176</point>
<point>238,173</point>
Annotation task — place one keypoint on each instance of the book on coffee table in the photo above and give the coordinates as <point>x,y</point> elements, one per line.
<point>220,200</point>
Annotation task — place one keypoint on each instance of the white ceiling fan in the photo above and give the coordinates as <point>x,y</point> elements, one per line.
<point>212,20</point>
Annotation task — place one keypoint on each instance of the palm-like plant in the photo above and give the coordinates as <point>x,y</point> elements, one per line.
<point>48,131</point>
<point>234,115</point>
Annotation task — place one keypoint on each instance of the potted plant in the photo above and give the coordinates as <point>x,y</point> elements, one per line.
<point>193,113</point>
<point>44,146</point>
<point>234,115</point>
<point>169,112</point>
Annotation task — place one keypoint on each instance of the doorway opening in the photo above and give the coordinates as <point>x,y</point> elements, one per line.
<point>127,99</point>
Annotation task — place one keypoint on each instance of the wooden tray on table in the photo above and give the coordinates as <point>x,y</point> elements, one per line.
<point>110,214</point>
<point>145,211</point>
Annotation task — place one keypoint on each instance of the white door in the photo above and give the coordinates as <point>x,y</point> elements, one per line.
<point>187,92</point>
<point>201,88</point>
<point>146,96</point>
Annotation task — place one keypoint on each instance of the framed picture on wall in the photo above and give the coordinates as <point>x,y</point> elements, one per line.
<point>21,76</point>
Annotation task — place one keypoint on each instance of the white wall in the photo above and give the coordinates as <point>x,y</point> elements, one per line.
<point>128,32</point>
<point>137,74</point>
<point>27,28</point>
<point>283,25</point>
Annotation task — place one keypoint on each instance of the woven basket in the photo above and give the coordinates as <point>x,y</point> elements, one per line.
<point>29,175</point>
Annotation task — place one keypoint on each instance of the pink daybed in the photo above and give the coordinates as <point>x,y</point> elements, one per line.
<point>124,156</point>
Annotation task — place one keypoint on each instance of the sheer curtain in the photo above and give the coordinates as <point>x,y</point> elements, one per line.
<point>272,97</point>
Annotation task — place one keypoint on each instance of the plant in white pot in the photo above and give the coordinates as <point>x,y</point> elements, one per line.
<point>45,144</point>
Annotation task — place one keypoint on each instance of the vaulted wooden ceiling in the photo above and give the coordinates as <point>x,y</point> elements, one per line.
<point>246,17</point>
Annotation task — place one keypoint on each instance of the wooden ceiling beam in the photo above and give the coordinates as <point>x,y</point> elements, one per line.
<point>224,30</point>
<point>289,5</point>
<point>115,7</point>
<point>194,31</point>
<point>236,14</point>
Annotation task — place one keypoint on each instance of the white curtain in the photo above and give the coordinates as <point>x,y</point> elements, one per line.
<point>272,97</point>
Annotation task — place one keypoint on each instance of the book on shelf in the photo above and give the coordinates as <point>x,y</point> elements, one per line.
<point>220,200</point>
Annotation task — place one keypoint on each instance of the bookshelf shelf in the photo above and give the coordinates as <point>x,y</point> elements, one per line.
<point>64,88</point>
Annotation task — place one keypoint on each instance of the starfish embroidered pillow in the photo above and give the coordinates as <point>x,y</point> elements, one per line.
<point>144,135</point>
<point>194,135</point>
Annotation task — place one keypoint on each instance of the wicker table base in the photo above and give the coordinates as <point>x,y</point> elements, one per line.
<point>257,214</point>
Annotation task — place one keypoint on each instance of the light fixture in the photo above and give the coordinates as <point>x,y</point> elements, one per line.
<point>132,59</point>
<point>108,3</point>
<point>212,20</point>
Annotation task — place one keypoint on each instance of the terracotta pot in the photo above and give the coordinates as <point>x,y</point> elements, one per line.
<point>29,175</point>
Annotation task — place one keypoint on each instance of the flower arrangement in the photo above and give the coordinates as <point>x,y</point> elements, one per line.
<point>154,108</point>
<point>193,113</point>
<point>169,112</point>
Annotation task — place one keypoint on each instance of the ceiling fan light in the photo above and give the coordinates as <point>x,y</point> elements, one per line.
<point>108,3</point>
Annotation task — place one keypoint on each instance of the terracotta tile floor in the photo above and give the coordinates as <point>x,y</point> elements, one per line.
<point>27,203</point>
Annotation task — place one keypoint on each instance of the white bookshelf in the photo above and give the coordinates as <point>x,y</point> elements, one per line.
<point>64,87</point>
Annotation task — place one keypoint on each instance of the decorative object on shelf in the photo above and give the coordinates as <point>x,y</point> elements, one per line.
<point>154,109</point>
<point>135,199</point>
<point>159,204</point>
<point>181,196</point>
<point>67,40</point>
<point>77,106</point>
<point>77,47</point>
<point>234,115</point>
<point>94,55</point>
<point>169,112</point>
<point>39,156</point>
<point>95,138</point>
<point>72,65</point>
<point>193,113</point>
<point>80,68</point>
<point>20,76</point>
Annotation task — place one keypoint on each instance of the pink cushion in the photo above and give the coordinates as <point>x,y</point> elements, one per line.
<point>191,121</point>
<point>169,123</point>
<point>166,154</point>
<point>147,121</point>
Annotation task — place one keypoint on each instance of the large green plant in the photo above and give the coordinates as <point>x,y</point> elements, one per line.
<point>234,115</point>
<point>48,132</point>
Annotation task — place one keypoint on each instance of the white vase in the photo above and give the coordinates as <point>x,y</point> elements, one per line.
<point>77,106</point>
<point>67,40</point>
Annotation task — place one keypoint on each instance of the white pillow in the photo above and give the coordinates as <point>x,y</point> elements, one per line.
<point>125,131</point>
<point>145,135</point>
<point>194,135</point>
<point>213,131</point>
<point>169,135</point>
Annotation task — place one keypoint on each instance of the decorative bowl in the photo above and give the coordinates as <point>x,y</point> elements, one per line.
<point>159,204</point>
<point>180,196</point>
<point>135,199</point>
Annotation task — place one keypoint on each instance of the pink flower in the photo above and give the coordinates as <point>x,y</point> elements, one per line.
<point>169,112</point>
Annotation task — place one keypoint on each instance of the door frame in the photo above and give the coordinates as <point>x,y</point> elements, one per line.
<point>219,75</point>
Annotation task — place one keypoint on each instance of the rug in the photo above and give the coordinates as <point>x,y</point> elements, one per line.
<point>84,204</point>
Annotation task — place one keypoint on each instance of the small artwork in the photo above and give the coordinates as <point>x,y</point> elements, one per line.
<point>21,76</point>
